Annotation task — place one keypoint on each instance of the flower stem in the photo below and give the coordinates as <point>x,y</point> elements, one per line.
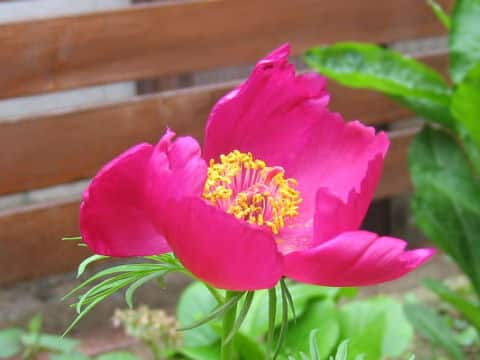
<point>228,350</point>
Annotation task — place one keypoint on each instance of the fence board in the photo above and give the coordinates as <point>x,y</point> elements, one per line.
<point>30,238</point>
<point>150,40</point>
<point>66,147</point>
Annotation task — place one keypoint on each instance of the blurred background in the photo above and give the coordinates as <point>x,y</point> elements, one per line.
<point>81,81</point>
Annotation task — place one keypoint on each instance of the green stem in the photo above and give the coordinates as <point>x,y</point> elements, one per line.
<point>228,350</point>
<point>215,293</point>
<point>272,313</point>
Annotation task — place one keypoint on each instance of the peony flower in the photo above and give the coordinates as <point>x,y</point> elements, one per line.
<point>280,189</point>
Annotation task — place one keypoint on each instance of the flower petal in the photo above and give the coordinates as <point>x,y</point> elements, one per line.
<point>358,258</point>
<point>114,216</point>
<point>334,216</point>
<point>176,170</point>
<point>221,250</point>
<point>267,115</point>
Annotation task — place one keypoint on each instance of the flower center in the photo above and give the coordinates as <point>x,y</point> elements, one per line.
<point>252,191</point>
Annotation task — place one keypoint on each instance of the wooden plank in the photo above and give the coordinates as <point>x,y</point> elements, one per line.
<point>30,238</point>
<point>150,40</point>
<point>66,147</point>
<point>31,245</point>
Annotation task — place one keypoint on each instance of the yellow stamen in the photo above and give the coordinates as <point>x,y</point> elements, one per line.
<point>252,191</point>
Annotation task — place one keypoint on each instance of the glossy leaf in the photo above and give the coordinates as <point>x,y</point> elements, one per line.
<point>390,333</point>
<point>373,67</point>
<point>195,303</point>
<point>432,327</point>
<point>465,103</point>
<point>446,201</point>
<point>464,39</point>
<point>319,315</point>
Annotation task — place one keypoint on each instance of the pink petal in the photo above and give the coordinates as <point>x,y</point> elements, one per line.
<point>114,216</point>
<point>357,258</point>
<point>333,215</point>
<point>221,250</point>
<point>269,114</point>
<point>176,170</point>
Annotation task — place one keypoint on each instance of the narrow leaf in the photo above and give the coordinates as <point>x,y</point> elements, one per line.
<point>219,311</point>
<point>272,314</point>
<point>138,283</point>
<point>284,324</point>
<point>313,345</point>
<point>83,265</point>
<point>440,13</point>
<point>241,316</point>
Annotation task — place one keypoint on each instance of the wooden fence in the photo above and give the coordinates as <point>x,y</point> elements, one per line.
<point>148,41</point>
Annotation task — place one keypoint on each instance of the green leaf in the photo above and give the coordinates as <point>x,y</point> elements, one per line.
<point>465,103</point>
<point>464,39</point>
<point>50,342</point>
<point>342,350</point>
<point>215,313</point>
<point>207,352</point>
<point>241,316</point>
<point>118,355</point>
<point>440,13</point>
<point>431,326</point>
<point>389,333</point>
<point>372,67</point>
<point>446,200</point>
<point>10,342</point>
<point>138,283</point>
<point>83,265</point>
<point>469,310</point>
<point>195,303</point>
<point>320,315</point>
<point>256,322</point>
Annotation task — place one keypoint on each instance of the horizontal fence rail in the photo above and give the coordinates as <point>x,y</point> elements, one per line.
<point>67,147</point>
<point>144,41</point>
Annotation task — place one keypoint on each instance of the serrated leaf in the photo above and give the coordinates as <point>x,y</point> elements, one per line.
<point>464,38</point>
<point>372,67</point>
<point>431,326</point>
<point>446,200</point>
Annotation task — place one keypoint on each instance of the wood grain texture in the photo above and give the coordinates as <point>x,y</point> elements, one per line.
<point>30,244</point>
<point>39,152</point>
<point>149,40</point>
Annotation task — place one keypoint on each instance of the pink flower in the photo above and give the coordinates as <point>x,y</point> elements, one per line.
<point>280,190</point>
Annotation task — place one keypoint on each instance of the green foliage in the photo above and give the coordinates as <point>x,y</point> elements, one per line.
<point>469,310</point>
<point>440,13</point>
<point>110,281</point>
<point>430,325</point>
<point>374,327</point>
<point>446,202</point>
<point>10,342</point>
<point>465,103</point>
<point>373,67</point>
<point>464,38</point>
<point>444,159</point>
<point>31,342</point>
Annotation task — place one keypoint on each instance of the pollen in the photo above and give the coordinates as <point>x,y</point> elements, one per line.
<point>252,191</point>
